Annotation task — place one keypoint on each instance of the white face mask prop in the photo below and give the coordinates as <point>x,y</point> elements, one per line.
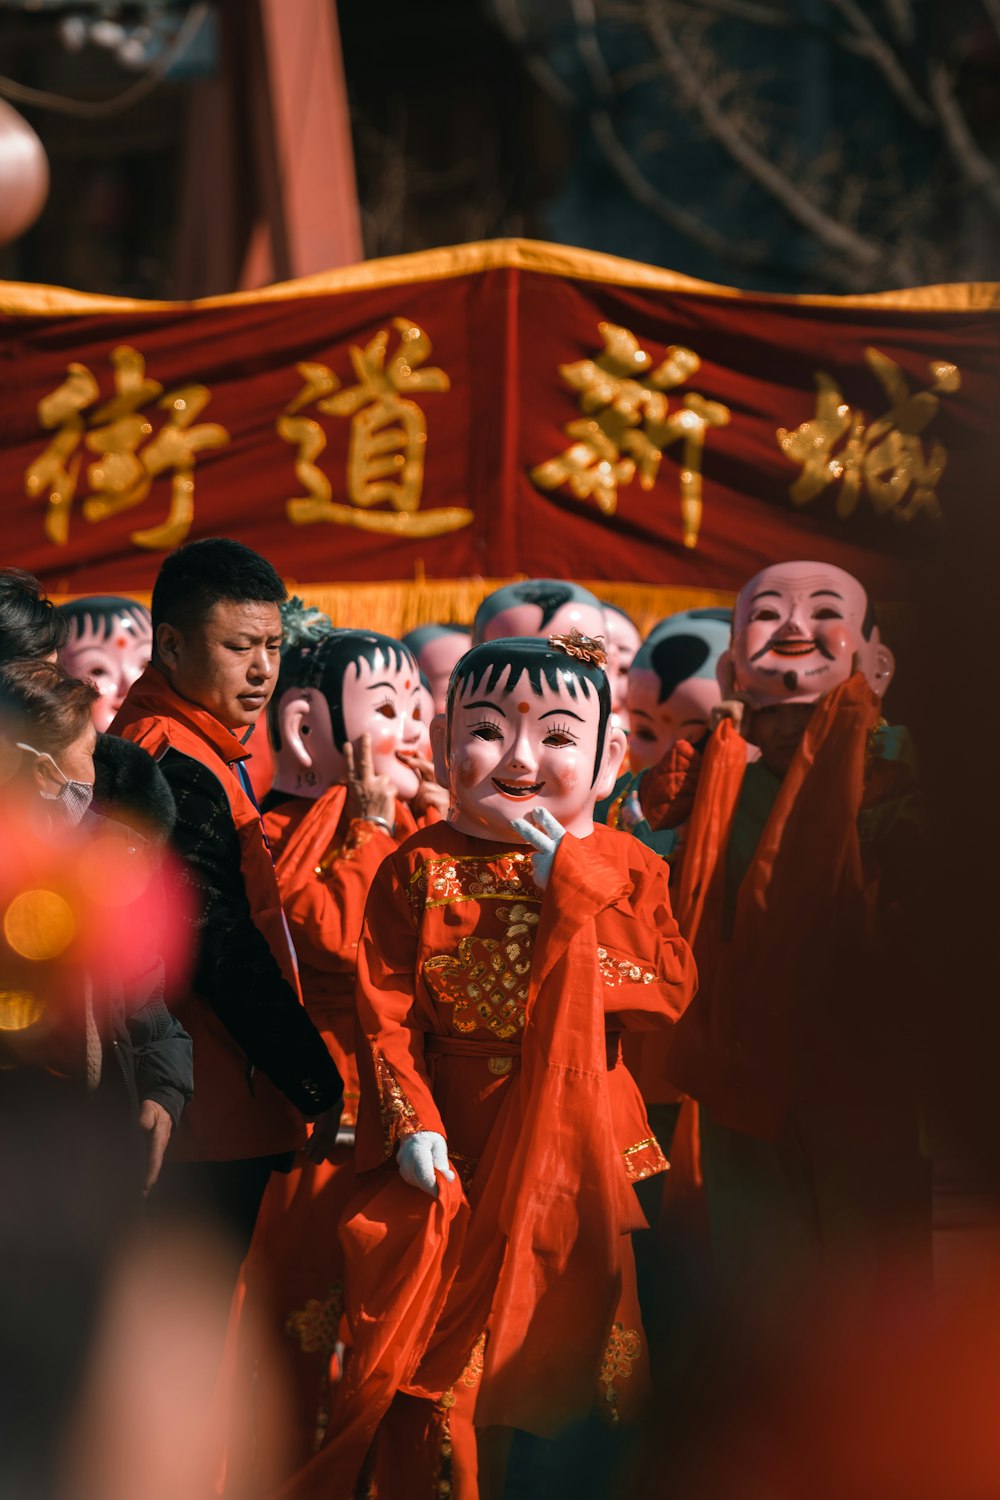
<point>110,642</point>
<point>528,730</point>
<point>799,628</point>
<point>438,649</point>
<point>540,607</point>
<point>335,690</point>
<point>623,640</point>
<point>672,685</point>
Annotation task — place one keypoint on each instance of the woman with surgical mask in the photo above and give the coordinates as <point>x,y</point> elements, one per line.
<point>48,718</point>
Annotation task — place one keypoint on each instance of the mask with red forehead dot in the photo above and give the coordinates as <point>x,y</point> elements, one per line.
<point>437,649</point>
<point>672,686</point>
<point>798,630</point>
<point>109,643</point>
<point>334,690</point>
<point>528,727</point>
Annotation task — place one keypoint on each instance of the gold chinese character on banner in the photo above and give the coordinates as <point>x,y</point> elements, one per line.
<point>885,458</point>
<point>627,424</point>
<point>388,439</point>
<point>130,454</point>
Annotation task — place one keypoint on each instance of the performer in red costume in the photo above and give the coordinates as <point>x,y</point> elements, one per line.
<point>794,871</point>
<point>347,725</point>
<point>489,1263</point>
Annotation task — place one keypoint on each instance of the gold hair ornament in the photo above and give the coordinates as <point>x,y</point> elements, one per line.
<point>591,649</point>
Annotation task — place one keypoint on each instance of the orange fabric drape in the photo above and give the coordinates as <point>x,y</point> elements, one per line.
<point>800,909</point>
<point>541,1258</point>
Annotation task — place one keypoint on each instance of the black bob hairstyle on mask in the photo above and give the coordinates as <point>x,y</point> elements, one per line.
<point>199,575</point>
<point>323,665</point>
<point>483,668</point>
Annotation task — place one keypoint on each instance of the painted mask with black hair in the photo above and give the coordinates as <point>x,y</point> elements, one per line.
<point>673,685</point>
<point>538,607</point>
<point>527,727</point>
<point>109,643</point>
<point>332,692</point>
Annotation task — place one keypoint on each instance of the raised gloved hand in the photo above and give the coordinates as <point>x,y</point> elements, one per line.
<point>541,830</point>
<point>420,1157</point>
<point>666,792</point>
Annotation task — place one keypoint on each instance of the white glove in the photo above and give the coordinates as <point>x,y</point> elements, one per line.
<point>545,835</point>
<point>420,1157</point>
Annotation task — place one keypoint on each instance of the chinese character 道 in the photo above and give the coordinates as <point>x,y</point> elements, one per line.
<point>388,438</point>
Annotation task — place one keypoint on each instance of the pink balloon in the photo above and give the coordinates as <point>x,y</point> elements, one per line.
<point>24,174</point>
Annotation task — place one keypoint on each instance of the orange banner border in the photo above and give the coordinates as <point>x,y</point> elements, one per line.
<point>22,299</point>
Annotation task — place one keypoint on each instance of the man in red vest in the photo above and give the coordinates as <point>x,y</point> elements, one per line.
<point>261,1067</point>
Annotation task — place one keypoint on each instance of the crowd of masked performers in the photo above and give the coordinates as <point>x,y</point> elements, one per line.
<point>462,976</point>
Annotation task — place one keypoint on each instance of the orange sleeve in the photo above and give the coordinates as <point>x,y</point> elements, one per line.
<point>647,968</point>
<point>396,1097</point>
<point>326,911</point>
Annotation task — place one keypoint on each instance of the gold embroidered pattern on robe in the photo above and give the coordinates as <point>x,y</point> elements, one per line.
<point>616,971</point>
<point>449,879</point>
<point>399,1118</point>
<point>486,982</point>
<point>623,1349</point>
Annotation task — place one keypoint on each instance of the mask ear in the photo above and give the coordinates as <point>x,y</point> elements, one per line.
<point>293,717</point>
<point>725,671</point>
<point>882,670</point>
<point>615,747</point>
<point>439,747</point>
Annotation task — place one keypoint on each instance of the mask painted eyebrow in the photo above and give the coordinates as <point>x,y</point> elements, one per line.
<point>373,686</point>
<point>567,711</point>
<point>485,703</point>
<point>827,594</point>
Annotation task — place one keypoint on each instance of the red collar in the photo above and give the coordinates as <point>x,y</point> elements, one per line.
<point>152,696</point>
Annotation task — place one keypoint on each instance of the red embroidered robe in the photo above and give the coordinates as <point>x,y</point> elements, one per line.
<point>492,1013</point>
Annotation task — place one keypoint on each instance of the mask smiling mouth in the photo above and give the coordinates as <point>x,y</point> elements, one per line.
<point>517,789</point>
<point>792,646</point>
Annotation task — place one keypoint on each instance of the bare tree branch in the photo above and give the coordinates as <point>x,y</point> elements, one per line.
<point>691,91</point>
<point>749,10</point>
<point>871,44</point>
<point>544,74</point>
<point>901,21</point>
<point>745,253</point>
<point>589,48</point>
<point>976,168</point>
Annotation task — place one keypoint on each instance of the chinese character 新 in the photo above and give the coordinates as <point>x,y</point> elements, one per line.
<point>886,457</point>
<point>129,452</point>
<point>388,439</point>
<point>627,425</point>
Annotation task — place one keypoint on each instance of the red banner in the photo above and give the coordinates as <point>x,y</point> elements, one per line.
<point>495,409</point>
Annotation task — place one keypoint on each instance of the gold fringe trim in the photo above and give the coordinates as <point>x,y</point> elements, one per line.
<point>394,608</point>
<point>21,299</point>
